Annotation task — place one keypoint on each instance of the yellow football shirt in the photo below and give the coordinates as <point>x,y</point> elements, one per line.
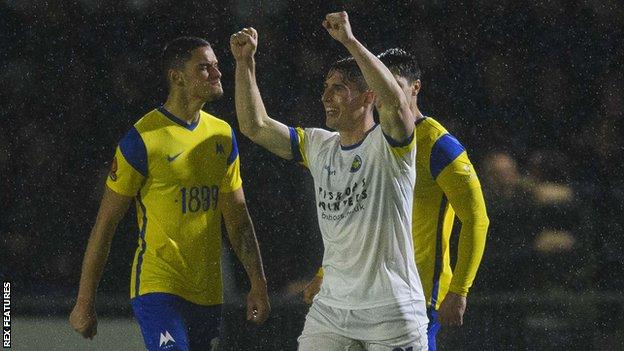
<point>176,173</point>
<point>446,185</point>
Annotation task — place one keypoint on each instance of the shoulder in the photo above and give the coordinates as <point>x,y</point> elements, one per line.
<point>321,133</point>
<point>133,149</point>
<point>149,121</point>
<point>216,124</point>
<point>428,130</point>
<point>317,136</point>
<point>444,151</point>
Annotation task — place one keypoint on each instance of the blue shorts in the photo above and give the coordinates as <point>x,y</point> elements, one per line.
<point>168,322</point>
<point>433,328</point>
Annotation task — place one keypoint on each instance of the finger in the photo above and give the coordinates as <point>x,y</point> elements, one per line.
<point>251,32</point>
<point>251,312</point>
<point>262,315</point>
<point>90,332</point>
<point>241,38</point>
<point>247,37</point>
<point>325,24</point>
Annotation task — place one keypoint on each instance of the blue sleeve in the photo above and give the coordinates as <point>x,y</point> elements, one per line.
<point>234,152</point>
<point>133,149</point>
<point>446,149</point>
<point>294,145</point>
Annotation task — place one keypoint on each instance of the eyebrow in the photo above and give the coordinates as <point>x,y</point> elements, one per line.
<point>333,84</point>
<point>211,63</point>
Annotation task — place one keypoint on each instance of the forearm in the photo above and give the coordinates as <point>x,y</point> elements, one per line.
<point>252,116</point>
<point>473,216</point>
<point>96,255</point>
<point>245,245</point>
<point>377,76</point>
<point>250,109</point>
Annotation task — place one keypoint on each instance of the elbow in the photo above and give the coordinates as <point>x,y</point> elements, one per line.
<point>477,223</point>
<point>247,130</point>
<point>250,130</point>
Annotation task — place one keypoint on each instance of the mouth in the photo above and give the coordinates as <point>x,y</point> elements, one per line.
<point>331,110</point>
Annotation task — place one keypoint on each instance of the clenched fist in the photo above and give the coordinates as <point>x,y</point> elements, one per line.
<point>244,43</point>
<point>337,24</point>
<point>84,320</point>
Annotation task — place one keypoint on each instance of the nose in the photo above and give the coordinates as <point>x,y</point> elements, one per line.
<point>214,72</point>
<point>325,96</point>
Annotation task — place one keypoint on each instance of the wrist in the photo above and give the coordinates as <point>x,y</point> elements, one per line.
<point>85,300</point>
<point>246,61</point>
<point>259,283</point>
<point>350,42</point>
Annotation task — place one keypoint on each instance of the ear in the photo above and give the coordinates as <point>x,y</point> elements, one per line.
<point>175,77</point>
<point>415,87</point>
<point>369,97</point>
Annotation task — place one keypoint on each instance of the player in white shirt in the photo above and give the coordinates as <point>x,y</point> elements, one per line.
<point>364,174</point>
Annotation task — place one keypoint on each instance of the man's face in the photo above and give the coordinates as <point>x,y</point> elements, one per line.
<point>342,100</point>
<point>410,89</point>
<point>201,75</point>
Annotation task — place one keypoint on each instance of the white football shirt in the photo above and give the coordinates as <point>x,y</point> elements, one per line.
<point>364,205</point>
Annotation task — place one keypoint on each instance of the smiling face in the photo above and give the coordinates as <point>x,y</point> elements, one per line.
<point>343,101</point>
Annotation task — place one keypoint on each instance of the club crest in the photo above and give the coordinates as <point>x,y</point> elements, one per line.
<point>356,164</point>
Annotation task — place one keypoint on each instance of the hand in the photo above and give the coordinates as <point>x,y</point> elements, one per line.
<point>452,310</point>
<point>83,319</point>
<point>313,287</point>
<point>337,24</point>
<point>258,306</point>
<point>244,43</point>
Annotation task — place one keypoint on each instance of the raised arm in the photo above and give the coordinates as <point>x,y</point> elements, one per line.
<point>112,209</point>
<point>394,114</point>
<point>241,233</point>
<point>253,119</point>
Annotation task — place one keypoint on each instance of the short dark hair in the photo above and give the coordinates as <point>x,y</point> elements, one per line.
<point>178,51</point>
<point>401,63</point>
<point>351,72</point>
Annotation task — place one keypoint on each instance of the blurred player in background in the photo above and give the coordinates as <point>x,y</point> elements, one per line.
<point>181,166</point>
<point>446,184</point>
<point>364,176</point>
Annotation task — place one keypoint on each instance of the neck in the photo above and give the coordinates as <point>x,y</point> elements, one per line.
<point>416,112</point>
<point>357,133</point>
<point>184,107</point>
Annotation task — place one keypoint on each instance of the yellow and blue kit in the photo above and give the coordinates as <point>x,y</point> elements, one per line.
<point>176,172</point>
<point>446,185</point>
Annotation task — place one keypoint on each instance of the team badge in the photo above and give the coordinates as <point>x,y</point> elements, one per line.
<point>113,171</point>
<point>356,164</point>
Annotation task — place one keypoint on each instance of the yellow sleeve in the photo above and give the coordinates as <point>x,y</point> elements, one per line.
<point>129,166</point>
<point>462,188</point>
<point>320,273</point>
<point>401,149</point>
<point>232,179</point>
<point>297,145</point>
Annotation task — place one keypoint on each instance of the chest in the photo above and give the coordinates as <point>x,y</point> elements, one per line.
<point>177,159</point>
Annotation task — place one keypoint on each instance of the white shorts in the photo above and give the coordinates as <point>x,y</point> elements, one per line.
<point>385,328</point>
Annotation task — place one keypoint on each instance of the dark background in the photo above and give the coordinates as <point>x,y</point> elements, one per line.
<point>534,91</point>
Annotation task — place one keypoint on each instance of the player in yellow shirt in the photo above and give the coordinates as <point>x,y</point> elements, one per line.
<point>446,185</point>
<point>181,166</point>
